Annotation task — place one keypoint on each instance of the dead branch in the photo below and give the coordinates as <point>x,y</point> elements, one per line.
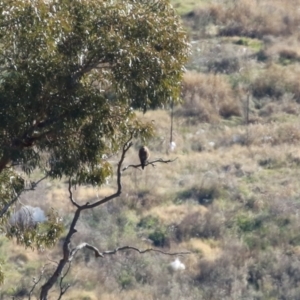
<point>68,254</point>
<point>85,245</point>
<point>36,281</point>
<point>71,194</point>
<point>160,160</point>
<point>110,252</point>
<point>144,251</point>
<point>63,289</point>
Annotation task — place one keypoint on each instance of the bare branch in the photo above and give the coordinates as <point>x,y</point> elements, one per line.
<point>85,245</point>
<point>144,251</point>
<point>160,160</point>
<point>71,194</point>
<point>126,147</point>
<point>102,254</point>
<point>36,281</point>
<point>53,261</point>
<point>68,254</point>
<point>63,289</point>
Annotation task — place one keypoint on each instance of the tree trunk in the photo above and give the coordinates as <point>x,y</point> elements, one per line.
<point>3,163</point>
<point>51,281</point>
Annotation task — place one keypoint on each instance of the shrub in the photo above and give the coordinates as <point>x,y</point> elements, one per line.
<point>225,65</point>
<point>204,194</point>
<point>254,19</point>
<point>201,17</point>
<point>287,133</point>
<point>257,19</point>
<point>208,97</point>
<point>148,222</point>
<point>248,223</point>
<point>126,280</point>
<point>225,277</point>
<point>200,225</point>
<point>269,84</point>
<point>277,81</point>
<point>159,238</point>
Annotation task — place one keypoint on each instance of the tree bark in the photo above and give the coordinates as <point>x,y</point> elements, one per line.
<point>66,255</point>
<point>3,163</point>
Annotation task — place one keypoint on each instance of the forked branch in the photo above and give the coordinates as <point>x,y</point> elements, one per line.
<point>69,254</point>
<point>36,281</point>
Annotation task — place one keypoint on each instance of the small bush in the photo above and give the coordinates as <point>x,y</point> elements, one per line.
<point>287,133</point>
<point>247,223</point>
<point>276,82</point>
<point>225,276</point>
<point>126,280</point>
<point>200,18</point>
<point>269,84</point>
<point>268,163</point>
<point>261,55</point>
<point>159,238</point>
<point>148,222</point>
<point>204,194</point>
<point>200,225</point>
<point>287,56</point>
<point>224,65</point>
<point>208,97</point>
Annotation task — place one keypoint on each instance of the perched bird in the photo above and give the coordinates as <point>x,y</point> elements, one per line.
<point>144,155</point>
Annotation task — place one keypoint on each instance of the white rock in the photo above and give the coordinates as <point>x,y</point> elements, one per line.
<point>172,146</point>
<point>177,265</point>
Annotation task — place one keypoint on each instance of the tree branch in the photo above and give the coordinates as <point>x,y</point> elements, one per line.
<point>85,245</point>
<point>3,162</point>
<point>126,147</point>
<point>68,254</point>
<point>63,289</point>
<point>71,194</point>
<point>160,160</point>
<point>110,252</point>
<point>36,281</point>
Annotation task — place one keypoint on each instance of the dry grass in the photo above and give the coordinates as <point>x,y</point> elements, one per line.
<point>257,201</point>
<point>275,81</point>
<point>207,98</point>
<point>284,50</point>
<point>249,18</point>
<point>174,214</point>
<point>207,249</point>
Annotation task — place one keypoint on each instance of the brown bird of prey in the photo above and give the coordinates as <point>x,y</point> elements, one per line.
<point>144,155</point>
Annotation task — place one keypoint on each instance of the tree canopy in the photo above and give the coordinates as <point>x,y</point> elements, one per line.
<point>72,72</point>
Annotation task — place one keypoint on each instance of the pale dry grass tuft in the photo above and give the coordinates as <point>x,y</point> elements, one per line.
<point>207,249</point>
<point>208,97</point>
<point>249,18</point>
<point>175,213</point>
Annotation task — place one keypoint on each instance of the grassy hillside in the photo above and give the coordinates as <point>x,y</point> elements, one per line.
<point>232,195</point>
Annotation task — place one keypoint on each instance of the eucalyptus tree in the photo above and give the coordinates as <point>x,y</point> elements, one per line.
<point>72,73</point>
